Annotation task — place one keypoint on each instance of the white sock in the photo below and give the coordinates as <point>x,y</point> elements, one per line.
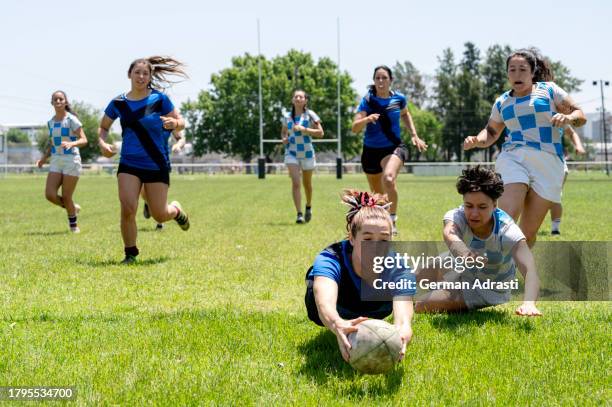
<point>556,223</point>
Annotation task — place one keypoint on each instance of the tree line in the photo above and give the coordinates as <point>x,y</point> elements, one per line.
<point>446,107</point>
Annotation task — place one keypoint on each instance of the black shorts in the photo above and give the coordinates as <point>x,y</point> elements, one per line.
<point>145,176</point>
<point>371,157</point>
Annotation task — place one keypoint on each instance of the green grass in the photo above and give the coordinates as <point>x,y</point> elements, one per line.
<point>216,316</point>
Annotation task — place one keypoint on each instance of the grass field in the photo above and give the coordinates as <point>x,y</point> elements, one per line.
<point>215,315</point>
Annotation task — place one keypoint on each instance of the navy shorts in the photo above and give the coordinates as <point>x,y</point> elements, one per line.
<point>371,157</point>
<point>145,176</point>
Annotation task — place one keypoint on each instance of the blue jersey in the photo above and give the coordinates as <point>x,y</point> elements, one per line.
<point>385,132</point>
<point>527,118</point>
<point>145,141</point>
<point>328,265</point>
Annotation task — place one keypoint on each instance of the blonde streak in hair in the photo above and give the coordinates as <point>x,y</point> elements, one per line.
<point>367,213</point>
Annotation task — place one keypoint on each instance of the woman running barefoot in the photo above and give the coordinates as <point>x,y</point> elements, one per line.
<point>65,137</point>
<point>334,282</point>
<point>384,152</point>
<point>298,128</point>
<point>147,118</point>
<point>531,163</point>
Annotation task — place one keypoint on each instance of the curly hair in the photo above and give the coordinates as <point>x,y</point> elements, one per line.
<point>480,179</point>
<point>364,206</point>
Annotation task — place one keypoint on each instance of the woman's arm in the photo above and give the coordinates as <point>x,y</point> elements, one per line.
<point>40,162</point>
<point>173,120</point>
<point>569,113</point>
<point>454,241</point>
<point>179,137</point>
<point>326,297</point>
<point>317,132</point>
<point>570,133</point>
<point>403,311</point>
<point>81,142</point>
<point>409,123</point>
<point>285,134</point>
<point>106,149</point>
<point>487,137</point>
<point>361,120</point>
<point>524,260</point>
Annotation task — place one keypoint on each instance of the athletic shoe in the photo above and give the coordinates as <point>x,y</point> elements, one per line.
<point>129,259</point>
<point>308,215</point>
<point>75,229</point>
<point>182,219</point>
<point>159,226</point>
<point>145,211</point>
<point>300,218</point>
<point>555,232</point>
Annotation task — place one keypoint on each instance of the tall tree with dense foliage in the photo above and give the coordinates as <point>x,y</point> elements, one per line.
<point>225,118</point>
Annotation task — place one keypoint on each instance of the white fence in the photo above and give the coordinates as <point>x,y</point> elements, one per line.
<point>416,168</point>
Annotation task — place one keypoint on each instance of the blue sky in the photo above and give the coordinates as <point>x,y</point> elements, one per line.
<point>85,48</point>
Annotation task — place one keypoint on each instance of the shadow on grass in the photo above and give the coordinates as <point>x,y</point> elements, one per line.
<point>477,318</point>
<point>48,233</point>
<point>324,363</point>
<point>117,262</point>
<point>282,224</point>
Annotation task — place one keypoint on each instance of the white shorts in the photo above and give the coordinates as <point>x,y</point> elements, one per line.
<point>306,164</point>
<point>539,170</point>
<point>66,164</point>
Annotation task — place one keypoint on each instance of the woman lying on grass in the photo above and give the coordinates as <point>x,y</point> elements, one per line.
<point>334,283</point>
<point>478,230</point>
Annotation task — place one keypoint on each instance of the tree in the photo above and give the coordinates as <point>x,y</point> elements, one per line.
<point>429,128</point>
<point>17,136</point>
<point>225,118</point>
<point>469,91</point>
<point>409,81</point>
<point>495,81</point>
<point>563,77</point>
<point>446,101</point>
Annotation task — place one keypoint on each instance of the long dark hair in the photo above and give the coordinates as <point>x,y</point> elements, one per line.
<point>160,67</point>
<point>540,66</point>
<point>372,88</point>
<point>68,107</point>
<point>306,96</point>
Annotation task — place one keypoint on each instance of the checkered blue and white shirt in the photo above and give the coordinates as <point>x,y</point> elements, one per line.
<point>300,145</point>
<point>528,118</point>
<point>61,131</point>
<point>498,247</point>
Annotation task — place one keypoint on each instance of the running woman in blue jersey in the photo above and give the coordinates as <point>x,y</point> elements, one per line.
<point>147,118</point>
<point>486,235</point>
<point>298,127</point>
<point>334,282</point>
<point>384,152</point>
<point>65,137</point>
<point>531,162</point>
